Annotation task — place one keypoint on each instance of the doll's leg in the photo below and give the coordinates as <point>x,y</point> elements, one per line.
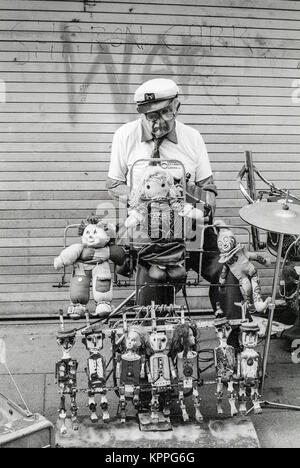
<point>74,410</point>
<point>233,409</point>
<point>255,397</point>
<point>167,402</point>
<point>246,289</point>
<point>185,416</point>
<point>93,407</point>
<point>196,401</point>
<point>154,405</point>
<point>260,305</point>
<point>122,402</point>
<point>62,415</point>
<point>136,397</point>
<point>79,295</point>
<point>102,289</point>
<point>219,395</point>
<point>242,397</point>
<point>104,406</point>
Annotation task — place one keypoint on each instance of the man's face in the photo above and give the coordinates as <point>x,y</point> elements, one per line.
<point>161,122</point>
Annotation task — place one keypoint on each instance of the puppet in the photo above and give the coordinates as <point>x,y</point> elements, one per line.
<point>131,367</point>
<point>249,367</point>
<point>93,338</point>
<point>225,362</point>
<point>185,357</point>
<point>237,259</point>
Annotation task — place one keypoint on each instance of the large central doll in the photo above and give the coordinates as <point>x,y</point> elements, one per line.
<point>156,212</point>
<point>156,200</point>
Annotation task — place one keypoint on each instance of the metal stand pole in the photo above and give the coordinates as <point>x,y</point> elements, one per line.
<point>271,315</point>
<point>268,334</point>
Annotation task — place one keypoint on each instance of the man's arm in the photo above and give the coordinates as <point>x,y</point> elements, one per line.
<point>118,189</point>
<point>203,191</point>
<point>116,182</point>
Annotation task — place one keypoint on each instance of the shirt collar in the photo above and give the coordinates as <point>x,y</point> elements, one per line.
<point>146,135</point>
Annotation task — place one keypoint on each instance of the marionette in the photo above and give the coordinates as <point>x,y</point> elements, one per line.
<point>237,259</point>
<point>249,368</point>
<point>66,378</point>
<point>161,373</point>
<point>90,263</point>
<point>154,204</point>
<point>225,363</point>
<point>131,367</point>
<point>93,338</point>
<point>185,358</point>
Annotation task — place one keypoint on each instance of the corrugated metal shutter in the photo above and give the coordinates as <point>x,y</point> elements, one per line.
<point>68,71</point>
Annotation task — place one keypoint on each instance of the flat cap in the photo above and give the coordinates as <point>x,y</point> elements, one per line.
<point>155,94</point>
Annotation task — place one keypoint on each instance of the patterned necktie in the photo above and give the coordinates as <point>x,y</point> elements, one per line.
<point>157,143</point>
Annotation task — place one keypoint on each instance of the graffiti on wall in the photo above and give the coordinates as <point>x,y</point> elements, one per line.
<point>114,52</point>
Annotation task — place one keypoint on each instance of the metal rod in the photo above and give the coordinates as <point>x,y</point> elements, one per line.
<point>272,309</point>
<point>114,312</point>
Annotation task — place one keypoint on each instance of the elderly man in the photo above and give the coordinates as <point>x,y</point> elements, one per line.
<point>155,134</point>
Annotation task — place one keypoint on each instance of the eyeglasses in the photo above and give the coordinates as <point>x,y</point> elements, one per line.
<point>165,114</point>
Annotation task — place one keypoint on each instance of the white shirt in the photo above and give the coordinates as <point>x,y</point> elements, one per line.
<point>129,146</point>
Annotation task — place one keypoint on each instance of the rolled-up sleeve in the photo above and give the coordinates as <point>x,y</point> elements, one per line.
<point>118,167</point>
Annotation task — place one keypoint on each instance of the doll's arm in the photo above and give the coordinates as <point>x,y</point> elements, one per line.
<point>190,212</point>
<point>135,217</point>
<point>259,258</point>
<point>68,256</point>
<point>223,274</point>
<point>172,368</point>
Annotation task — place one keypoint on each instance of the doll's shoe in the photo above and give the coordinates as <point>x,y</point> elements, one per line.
<point>76,311</point>
<point>103,309</point>
<point>157,273</point>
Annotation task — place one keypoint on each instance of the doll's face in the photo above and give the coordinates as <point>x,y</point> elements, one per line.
<point>133,341</point>
<point>250,339</point>
<point>191,338</point>
<point>95,236</point>
<point>158,342</point>
<point>94,341</point>
<point>223,333</point>
<point>156,187</point>
<point>226,242</point>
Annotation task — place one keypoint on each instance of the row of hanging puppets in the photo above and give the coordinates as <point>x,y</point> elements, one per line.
<point>155,360</point>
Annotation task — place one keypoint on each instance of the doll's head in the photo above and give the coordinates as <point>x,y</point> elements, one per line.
<point>136,338</point>
<point>184,338</point>
<point>223,329</point>
<point>226,240</point>
<point>249,334</point>
<point>158,342</point>
<point>96,233</point>
<point>155,184</point>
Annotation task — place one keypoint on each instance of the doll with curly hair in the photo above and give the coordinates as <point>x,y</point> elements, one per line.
<point>158,191</point>
<point>90,263</point>
<point>186,359</point>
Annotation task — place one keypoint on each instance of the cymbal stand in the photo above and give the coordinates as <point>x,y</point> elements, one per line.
<point>269,332</point>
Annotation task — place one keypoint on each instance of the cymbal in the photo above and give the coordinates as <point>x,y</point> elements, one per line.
<point>273,217</point>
